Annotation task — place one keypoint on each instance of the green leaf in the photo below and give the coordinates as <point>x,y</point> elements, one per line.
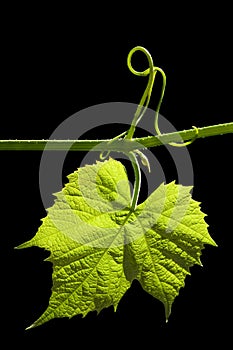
<point>99,246</point>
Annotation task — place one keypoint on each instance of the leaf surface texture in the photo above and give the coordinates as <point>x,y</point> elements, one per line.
<point>98,246</point>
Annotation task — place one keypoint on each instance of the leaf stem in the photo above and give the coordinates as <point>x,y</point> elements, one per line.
<point>137,179</point>
<point>120,145</point>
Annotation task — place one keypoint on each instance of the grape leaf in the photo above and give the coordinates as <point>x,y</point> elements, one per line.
<point>98,245</point>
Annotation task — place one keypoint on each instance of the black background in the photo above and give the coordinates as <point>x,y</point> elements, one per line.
<point>58,61</point>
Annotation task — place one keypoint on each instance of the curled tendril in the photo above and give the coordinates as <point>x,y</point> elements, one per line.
<point>184,144</point>
<point>151,71</point>
<point>141,109</point>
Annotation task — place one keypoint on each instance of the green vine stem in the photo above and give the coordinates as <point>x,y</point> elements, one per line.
<point>121,145</point>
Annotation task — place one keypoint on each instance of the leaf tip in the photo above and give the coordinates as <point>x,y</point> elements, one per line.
<point>167,312</point>
<point>26,244</point>
<point>20,246</point>
<point>33,325</point>
<point>213,243</point>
